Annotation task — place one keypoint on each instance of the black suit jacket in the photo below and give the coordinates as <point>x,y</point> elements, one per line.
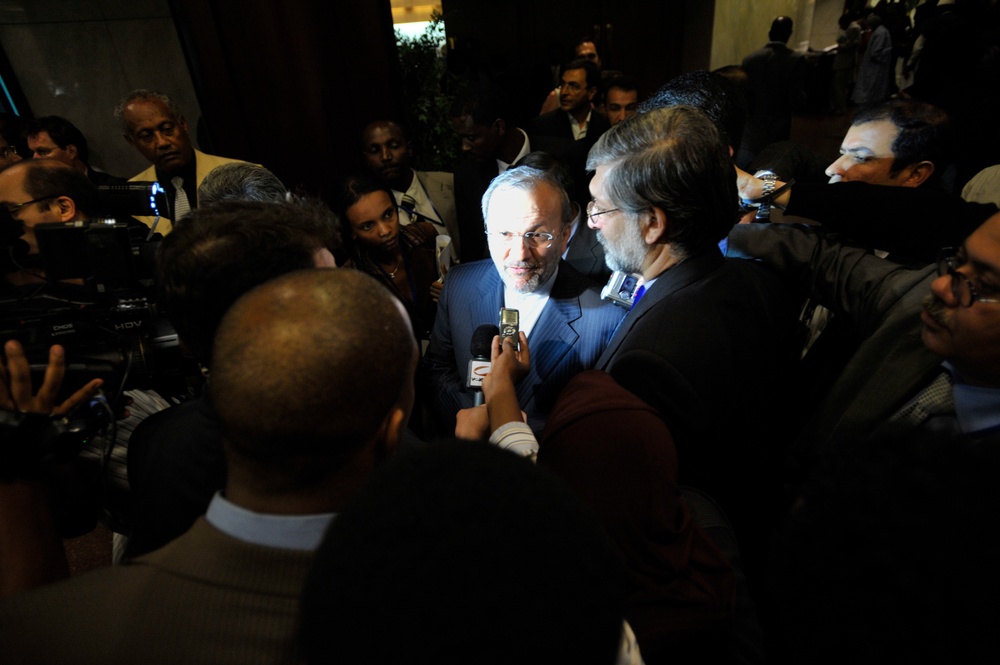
<point>708,346</point>
<point>557,124</point>
<point>586,253</point>
<point>552,133</point>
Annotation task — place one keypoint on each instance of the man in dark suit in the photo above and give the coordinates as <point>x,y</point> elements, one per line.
<point>776,81</point>
<point>910,321</point>
<point>708,342</point>
<point>568,132</point>
<point>175,456</point>
<point>568,325</point>
<point>575,119</point>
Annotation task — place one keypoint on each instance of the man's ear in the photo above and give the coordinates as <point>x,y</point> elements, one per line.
<point>918,173</point>
<point>71,151</point>
<point>391,432</point>
<point>564,236</point>
<point>654,226</point>
<point>499,126</point>
<point>66,208</point>
<point>591,92</point>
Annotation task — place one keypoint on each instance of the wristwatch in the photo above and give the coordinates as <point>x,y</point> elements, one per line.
<point>764,210</point>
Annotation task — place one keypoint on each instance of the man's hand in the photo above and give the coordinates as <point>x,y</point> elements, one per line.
<point>508,364</point>
<point>472,424</point>
<point>436,287</point>
<point>508,367</point>
<point>15,383</point>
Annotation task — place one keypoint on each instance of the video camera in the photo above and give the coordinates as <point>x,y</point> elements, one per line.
<point>98,297</point>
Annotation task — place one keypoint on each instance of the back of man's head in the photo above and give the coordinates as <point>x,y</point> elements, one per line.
<point>240,181</point>
<point>674,159</point>
<point>306,370</point>
<point>62,132</point>
<point>925,133</point>
<point>224,250</point>
<point>781,29</point>
<point>463,553</point>
<point>715,95</point>
<point>543,161</point>
<point>49,178</point>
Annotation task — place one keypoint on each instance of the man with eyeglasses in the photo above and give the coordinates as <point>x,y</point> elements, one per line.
<point>528,216</point>
<point>37,192</point>
<point>8,154</point>
<point>709,341</point>
<point>930,358</point>
<point>153,125</point>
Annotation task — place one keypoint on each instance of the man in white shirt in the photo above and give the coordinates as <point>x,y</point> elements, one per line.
<point>422,196</point>
<point>528,217</point>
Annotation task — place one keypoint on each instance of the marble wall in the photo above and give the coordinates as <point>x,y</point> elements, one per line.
<point>77,58</point>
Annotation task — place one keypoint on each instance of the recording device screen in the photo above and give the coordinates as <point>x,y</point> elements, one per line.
<point>509,322</point>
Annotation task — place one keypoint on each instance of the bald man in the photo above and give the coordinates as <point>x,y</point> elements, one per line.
<point>218,253</point>
<point>299,440</point>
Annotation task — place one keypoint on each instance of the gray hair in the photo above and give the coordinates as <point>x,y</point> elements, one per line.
<point>673,159</point>
<point>527,178</point>
<point>241,181</point>
<point>142,93</point>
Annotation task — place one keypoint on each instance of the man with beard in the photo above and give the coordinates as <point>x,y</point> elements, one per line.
<point>421,196</point>
<point>528,217</point>
<point>708,342</point>
<point>911,320</point>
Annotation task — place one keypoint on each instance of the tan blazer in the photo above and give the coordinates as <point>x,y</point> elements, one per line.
<point>203,164</point>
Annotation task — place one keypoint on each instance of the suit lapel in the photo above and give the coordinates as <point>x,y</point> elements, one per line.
<point>668,283</point>
<point>489,298</point>
<point>557,323</point>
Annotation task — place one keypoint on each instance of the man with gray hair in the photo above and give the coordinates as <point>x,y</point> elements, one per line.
<point>528,216</point>
<point>153,125</point>
<point>708,342</point>
<point>241,181</point>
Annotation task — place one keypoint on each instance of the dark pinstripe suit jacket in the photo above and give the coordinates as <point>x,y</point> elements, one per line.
<point>568,337</point>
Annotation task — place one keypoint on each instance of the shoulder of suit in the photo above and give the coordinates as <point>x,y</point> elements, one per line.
<point>570,282</point>
<point>216,160</point>
<point>475,270</point>
<point>441,178</point>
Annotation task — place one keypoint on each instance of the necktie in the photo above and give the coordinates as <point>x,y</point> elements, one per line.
<point>409,205</point>
<point>181,204</point>
<point>640,292</point>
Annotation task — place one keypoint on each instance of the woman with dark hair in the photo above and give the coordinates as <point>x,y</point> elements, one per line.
<point>401,257</point>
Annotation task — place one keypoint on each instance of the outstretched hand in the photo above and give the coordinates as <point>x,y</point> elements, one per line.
<point>508,364</point>
<point>16,390</point>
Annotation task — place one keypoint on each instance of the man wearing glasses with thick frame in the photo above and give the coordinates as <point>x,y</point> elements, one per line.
<point>528,217</point>
<point>927,332</point>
